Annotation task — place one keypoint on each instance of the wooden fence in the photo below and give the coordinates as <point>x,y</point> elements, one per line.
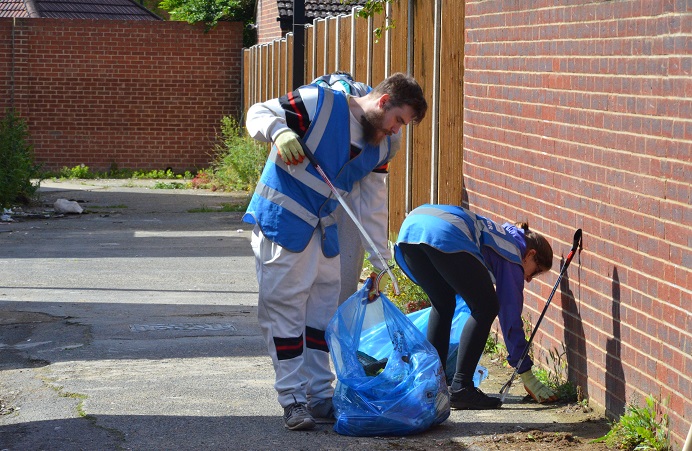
<point>566,114</point>
<point>347,42</point>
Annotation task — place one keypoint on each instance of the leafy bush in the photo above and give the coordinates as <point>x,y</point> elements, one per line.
<point>17,166</point>
<point>640,429</point>
<point>84,172</point>
<point>239,160</point>
<point>78,172</point>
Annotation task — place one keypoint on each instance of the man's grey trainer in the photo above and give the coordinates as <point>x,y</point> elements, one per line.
<point>297,417</point>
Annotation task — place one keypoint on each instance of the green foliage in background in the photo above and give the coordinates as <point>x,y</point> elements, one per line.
<point>17,167</point>
<point>412,297</point>
<point>82,171</point>
<point>640,428</point>
<point>238,162</point>
<point>211,12</point>
<point>372,8</point>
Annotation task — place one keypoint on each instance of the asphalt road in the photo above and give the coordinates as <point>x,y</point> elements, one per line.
<point>133,327</point>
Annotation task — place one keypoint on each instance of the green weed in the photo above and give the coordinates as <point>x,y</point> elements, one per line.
<point>411,298</point>
<point>238,162</point>
<point>83,171</point>
<point>17,167</point>
<point>494,348</point>
<point>170,185</point>
<point>555,376</point>
<point>224,208</point>
<point>640,428</point>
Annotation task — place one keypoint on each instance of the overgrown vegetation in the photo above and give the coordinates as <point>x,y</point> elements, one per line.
<point>555,376</point>
<point>494,347</point>
<point>238,160</point>
<point>412,297</point>
<point>223,208</point>
<point>211,12</point>
<point>17,167</point>
<point>84,172</point>
<point>237,165</point>
<point>371,8</point>
<point>640,428</point>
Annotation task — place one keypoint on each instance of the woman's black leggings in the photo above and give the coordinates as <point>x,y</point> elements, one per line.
<point>442,276</point>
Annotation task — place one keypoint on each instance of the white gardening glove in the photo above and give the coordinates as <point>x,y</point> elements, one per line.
<point>289,148</point>
<point>374,291</point>
<point>536,388</point>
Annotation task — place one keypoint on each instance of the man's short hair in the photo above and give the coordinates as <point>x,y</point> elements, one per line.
<point>403,90</point>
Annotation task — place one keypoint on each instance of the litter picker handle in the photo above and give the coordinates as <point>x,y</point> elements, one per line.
<point>576,243</point>
<point>318,168</point>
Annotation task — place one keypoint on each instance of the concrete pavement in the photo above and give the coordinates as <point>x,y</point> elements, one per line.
<point>133,326</point>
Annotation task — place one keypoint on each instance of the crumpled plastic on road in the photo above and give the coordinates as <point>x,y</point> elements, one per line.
<point>67,206</point>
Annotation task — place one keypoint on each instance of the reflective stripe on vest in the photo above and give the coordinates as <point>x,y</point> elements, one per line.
<point>286,202</point>
<point>485,232</point>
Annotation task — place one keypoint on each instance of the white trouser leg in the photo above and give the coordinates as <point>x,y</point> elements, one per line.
<point>296,290</point>
<point>351,256</point>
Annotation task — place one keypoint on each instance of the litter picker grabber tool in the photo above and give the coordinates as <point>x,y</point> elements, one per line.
<point>341,200</point>
<point>576,244</point>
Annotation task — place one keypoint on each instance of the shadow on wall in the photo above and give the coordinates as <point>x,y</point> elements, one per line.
<point>574,338</point>
<point>615,375</point>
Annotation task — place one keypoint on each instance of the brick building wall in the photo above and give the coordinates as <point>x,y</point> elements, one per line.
<point>268,28</point>
<point>579,116</point>
<point>131,94</point>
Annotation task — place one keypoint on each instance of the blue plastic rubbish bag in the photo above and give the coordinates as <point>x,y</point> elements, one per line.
<point>376,343</point>
<point>402,393</point>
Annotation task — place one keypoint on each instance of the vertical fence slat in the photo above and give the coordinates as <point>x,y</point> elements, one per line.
<point>360,72</point>
<point>398,167</point>
<point>451,115</point>
<point>320,30</point>
<point>332,45</point>
<point>344,43</point>
<point>377,62</point>
<point>309,53</point>
<point>289,62</point>
<point>423,72</point>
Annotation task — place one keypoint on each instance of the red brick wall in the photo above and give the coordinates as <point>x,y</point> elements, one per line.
<point>139,95</point>
<point>268,28</point>
<point>579,116</point>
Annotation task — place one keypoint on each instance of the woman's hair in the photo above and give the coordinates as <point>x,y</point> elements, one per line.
<point>534,240</point>
<point>403,90</point>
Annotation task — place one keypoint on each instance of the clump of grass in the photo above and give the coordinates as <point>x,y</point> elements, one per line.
<point>494,348</point>
<point>555,377</point>
<point>223,208</point>
<point>238,160</point>
<point>170,185</point>
<point>640,428</point>
<point>82,171</point>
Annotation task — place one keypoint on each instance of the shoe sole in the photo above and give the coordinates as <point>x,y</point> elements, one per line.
<point>305,425</point>
<point>474,407</point>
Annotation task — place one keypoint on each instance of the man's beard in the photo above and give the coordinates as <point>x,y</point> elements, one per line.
<point>373,132</point>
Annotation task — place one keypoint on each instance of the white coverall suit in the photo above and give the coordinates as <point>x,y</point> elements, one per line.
<point>299,291</point>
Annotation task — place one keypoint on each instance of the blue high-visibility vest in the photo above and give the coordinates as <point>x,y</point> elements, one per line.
<point>290,202</point>
<point>450,228</point>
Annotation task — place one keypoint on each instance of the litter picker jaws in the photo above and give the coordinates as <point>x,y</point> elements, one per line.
<point>575,244</point>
